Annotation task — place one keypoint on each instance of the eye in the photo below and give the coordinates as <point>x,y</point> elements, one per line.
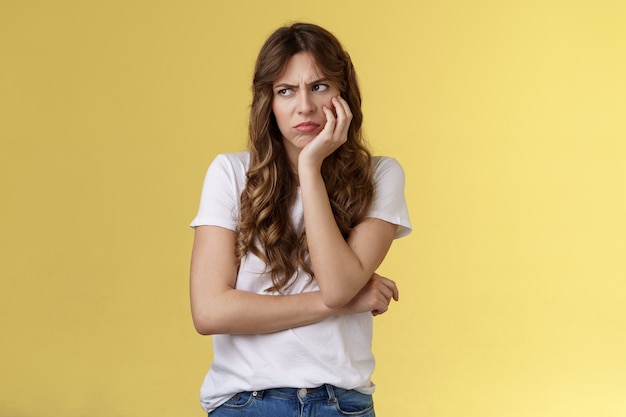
<point>320,87</point>
<point>285,92</point>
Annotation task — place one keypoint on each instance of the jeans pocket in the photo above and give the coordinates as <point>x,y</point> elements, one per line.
<point>354,403</point>
<point>239,401</point>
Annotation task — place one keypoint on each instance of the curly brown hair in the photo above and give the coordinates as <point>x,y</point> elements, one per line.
<point>265,227</point>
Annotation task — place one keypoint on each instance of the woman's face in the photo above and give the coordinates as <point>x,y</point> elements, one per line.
<point>299,94</point>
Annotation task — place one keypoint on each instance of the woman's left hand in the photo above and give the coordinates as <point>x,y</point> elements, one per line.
<point>334,134</point>
<point>374,297</point>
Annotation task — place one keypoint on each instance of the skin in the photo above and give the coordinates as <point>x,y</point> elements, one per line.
<point>345,270</point>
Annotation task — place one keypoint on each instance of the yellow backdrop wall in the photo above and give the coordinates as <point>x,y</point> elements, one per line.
<point>507,116</point>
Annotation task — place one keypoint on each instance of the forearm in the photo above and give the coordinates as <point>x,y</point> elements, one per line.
<point>338,270</point>
<point>233,311</point>
<point>217,307</point>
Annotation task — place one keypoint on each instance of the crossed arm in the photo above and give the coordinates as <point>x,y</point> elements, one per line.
<point>218,308</point>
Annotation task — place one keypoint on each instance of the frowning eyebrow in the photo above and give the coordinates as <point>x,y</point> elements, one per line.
<point>285,85</point>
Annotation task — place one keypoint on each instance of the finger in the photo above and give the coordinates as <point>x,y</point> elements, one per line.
<point>381,309</point>
<point>396,293</point>
<point>331,121</point>
<point>387,292</point>
<point>344,117</point>
<point>392,286</point>
<point>345,106</point>
<point>340,109</point>
<point>346,120</point>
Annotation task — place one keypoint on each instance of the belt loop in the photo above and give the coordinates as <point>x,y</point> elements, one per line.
<point>331,394</point>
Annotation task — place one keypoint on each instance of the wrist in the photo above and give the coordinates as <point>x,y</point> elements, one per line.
<point>308,170</point>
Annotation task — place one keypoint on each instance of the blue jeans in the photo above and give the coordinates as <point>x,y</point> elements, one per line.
<point>324,401</point>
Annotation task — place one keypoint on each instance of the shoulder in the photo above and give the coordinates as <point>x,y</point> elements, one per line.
<point>236,160</point>
<point>386,168</point>
<point>389,201</point>
<point>381,162</point>
<point>227,170</point>
<point>233,165</point>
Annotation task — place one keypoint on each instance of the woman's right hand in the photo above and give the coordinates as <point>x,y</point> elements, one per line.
<point>375,296</point>
<point>333,135</point>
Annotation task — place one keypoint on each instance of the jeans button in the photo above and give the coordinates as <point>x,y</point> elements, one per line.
<point>302,392</point>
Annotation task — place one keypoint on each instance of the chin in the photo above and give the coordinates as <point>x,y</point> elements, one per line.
<point>302,142</point>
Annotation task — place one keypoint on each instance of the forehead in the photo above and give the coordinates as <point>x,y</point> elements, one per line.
<point>301,67</point>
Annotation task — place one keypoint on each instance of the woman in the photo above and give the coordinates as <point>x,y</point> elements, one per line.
<point>288,238</point>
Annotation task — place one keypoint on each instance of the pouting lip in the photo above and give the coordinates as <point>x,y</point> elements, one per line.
<point>307,124</point>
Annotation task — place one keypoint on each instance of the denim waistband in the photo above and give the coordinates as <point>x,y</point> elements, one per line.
<point>325,391</point>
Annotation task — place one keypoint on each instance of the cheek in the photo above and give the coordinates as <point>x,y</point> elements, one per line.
<point>279,115</point>
<point>329,104</point>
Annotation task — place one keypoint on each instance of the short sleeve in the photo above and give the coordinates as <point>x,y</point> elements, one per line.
<point>223,183</point>
<point>389,200</point>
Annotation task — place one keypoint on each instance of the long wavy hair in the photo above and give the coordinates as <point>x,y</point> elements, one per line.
<point>265,227</point>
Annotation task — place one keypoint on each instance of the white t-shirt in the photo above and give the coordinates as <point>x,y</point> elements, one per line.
<point>334,351</point>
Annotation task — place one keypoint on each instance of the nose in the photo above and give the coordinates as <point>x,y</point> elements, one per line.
<point>305,102</point>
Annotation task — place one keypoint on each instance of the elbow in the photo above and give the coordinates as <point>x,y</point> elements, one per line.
<point>335,299</point>
<point>204,325</point>
<point>340,295</point>
<point>204,330</point>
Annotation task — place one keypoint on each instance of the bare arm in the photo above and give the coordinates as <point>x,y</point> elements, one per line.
<point>217,307</point>
<point>342,268</point>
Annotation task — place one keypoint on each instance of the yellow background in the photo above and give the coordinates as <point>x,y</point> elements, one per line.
<point>510,121</point>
